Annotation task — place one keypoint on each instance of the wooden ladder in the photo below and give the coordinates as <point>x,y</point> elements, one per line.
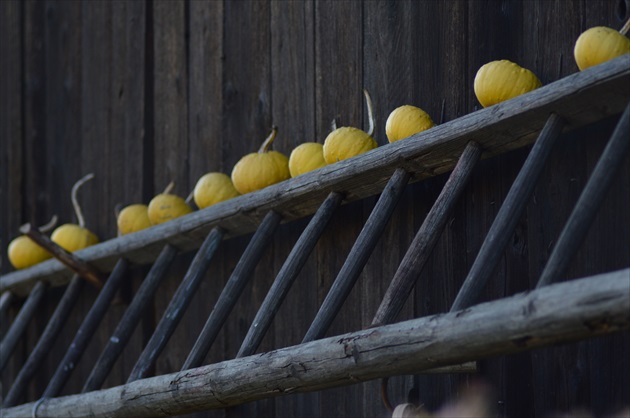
<point>456,146</point>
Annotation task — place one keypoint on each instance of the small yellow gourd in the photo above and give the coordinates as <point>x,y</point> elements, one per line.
<point>23,252</point>
<point>213,188</point>
<point>167,206</point>
<point>405,121</point>
<point>73,237</point>
<point>600,44</point>
<point>306,157</point>
<point>133,218</point>
<point>347,142</point>
<point>260,169</point>
<point>502,80</point>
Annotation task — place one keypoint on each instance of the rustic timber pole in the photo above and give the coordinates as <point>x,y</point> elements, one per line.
<point>590,200</point>
<point>46,340</point>
<point>510,212</point>
<point>288,273</point>
<point>559,313</point>
<point>427,236</point>
<point>233,289</point>
<point>21,321</point>
<point>130,319</point>
<point>5,302</point>
<point>178,304</point>
<point>359,254</point>
<point>87,329</point>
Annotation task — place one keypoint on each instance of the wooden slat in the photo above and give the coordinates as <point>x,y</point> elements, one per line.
<point>559,313</point>
<point>503,226</point>
<point>130,319</point>
<point>87,329</point>
<point>590,200</point>
<point>21,321</point>
<point>288,273</point>
<point>580,99</point>
<point>5,302</point>
<point>359,254</point>
<point>426,238</point>
<point>233,289</point>
<point>178,305</point>
<point>46,341</point>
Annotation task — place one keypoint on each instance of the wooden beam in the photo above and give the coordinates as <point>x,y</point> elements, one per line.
<point>580,99</point>
<point>558,313</point>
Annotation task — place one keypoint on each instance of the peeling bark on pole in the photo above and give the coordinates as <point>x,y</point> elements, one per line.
<point>557,313</point>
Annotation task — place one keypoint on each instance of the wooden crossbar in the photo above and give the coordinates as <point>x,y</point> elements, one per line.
<point>46,340</point>
<point>590,200</point>
<point>21,321</point>
<point>130,319</point>
<point>87,329</point>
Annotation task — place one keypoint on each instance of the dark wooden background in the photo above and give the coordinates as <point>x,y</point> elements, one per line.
<point>144,92</point>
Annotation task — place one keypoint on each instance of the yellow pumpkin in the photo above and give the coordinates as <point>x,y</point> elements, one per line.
<point>72,237</point>
<point>24,252</point>
<point>260,169</point>
<point>306,157</point>
<point>133,218</point>
<point>347,142</point>
<point>166,206</point>
<point>502,80</point>
<point>213,188</point>
<point>599,44</point>
<point>405,121</point>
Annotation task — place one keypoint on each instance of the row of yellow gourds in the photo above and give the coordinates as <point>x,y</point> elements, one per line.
<point>495,82</point>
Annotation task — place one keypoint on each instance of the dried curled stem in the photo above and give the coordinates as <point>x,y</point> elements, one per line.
<point>169,188</point>
<point>370,109</point>
<point>625,28</point>
<point>269,140</point>
<point>75,202</point>
<point>50,225</point>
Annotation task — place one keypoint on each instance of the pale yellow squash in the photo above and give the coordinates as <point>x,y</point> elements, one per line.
<point>599,44</point>
<point>502,80</point>
<point>260,169</point>
<point>23,252</point>
<point>405,121</point>
<point>213,188</point>
<point>166,206</point>
<point>306,157</point>
<point>133,218</point>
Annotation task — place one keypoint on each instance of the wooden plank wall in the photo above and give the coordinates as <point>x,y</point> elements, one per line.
<point>145,92</point>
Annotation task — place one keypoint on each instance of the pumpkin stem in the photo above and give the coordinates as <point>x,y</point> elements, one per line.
<point>168,189</point>
<point>625,27</point>
<point>190,197</point>
<point>50,225</point>
<point>370,108</point>
<point>333,125</point>
<point>75,202</point>
<point>267,144</point>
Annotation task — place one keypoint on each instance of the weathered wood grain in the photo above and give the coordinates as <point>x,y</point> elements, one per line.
<point>579,99</point>
<point>233,289</point>
<point>20,322</point>
<point>426,238</point>
<point>86,330</point>
<point>129,321</point>
<point>46,340</point>
<point>511,209</point>
<point>590,200</point>
<point>555,314</point>
<point>358,256</point>
<point>178,305</point>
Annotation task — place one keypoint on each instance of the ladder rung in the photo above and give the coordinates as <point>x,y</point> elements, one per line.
<point>359,254</point>
<point>427,236</point>
<point>178,304</point>
<point>130,319</point>
<point>588,204</point>
<point>288,273</point>
<point>46,340</point>
<point>87,329</point>
<point>21,321</point>
<point>233,289</point>
<point>5,302</point>
<point>510,212</point>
